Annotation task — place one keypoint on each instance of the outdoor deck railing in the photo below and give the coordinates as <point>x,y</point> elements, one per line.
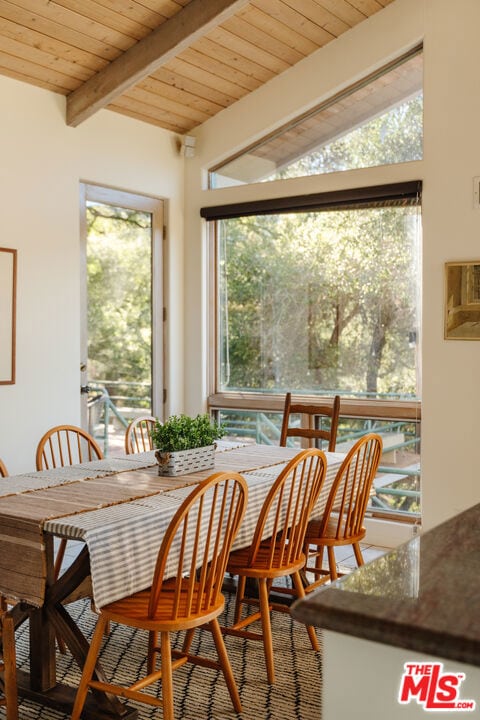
<point>104,407</point>
<point>262,429</point>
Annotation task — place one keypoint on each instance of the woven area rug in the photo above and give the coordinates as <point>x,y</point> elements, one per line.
<point>200,693</point>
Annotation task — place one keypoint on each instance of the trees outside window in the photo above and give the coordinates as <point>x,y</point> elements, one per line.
<point>119,263</point>
<point>320,302</point>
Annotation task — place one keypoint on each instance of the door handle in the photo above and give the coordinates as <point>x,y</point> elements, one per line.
<point>85,389</point>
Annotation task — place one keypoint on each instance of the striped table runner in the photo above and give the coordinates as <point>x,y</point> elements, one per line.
<point>123,541</point>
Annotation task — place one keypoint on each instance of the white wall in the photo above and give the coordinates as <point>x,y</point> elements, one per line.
<point>451,390</point>
<point>42,163</point>
<point>451,383</point>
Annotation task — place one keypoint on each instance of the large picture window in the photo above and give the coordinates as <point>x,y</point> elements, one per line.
<point>321,302</point>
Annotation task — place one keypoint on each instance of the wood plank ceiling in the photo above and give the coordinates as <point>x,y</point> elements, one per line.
<point>171,63</point>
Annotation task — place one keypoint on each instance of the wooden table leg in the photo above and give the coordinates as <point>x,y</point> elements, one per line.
<point>42,651</point>
<point>45,623</point>
<point>42,639</point>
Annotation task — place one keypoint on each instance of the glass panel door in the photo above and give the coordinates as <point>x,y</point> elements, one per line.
<point>123,297</point>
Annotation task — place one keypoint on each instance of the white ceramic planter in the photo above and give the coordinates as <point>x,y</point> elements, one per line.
<point>185,461</point>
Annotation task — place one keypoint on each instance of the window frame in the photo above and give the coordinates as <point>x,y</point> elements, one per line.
<point>402,193</point>
<point>325,104</point>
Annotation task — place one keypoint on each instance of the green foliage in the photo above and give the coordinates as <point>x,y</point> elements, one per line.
<point>320,302</point>
<point>119,292</point>
<point>181,432</point>
<point>393,137</point>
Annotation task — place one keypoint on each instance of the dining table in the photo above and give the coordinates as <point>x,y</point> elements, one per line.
<point>117,509</point>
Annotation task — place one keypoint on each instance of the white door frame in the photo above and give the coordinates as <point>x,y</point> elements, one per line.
<point>154,206</point>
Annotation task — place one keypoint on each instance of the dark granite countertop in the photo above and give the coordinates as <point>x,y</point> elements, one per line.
<point>423,596</point>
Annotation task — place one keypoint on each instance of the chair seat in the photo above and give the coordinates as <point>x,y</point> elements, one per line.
<point>238,563</point>
<point>133,610</point>
<point>329,537</point>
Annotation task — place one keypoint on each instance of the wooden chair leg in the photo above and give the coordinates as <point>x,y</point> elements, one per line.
<point>332,563</point>
<point>167,680</point>
<point>152,651</point>
<point>319,557</point>
<point>358,554</point>
<point>298,585</point>
<point>59,558</point>
<point>187,643</point>
<point>88,669</point>
<point>56,574</point>
<point>239,598</point>
<point>225,665</point>
<point>9,668</point>
<point>266,629</point>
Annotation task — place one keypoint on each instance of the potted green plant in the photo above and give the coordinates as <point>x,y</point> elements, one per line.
<point>185,444</point>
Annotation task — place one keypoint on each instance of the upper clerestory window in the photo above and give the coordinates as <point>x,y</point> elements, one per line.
<point>377,121</point>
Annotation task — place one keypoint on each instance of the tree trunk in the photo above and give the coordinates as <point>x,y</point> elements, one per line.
<point>375,355</point>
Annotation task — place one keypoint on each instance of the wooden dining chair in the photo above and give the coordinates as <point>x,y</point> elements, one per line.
<point>138,437</point>
<point>344,514</point>
<point>309,426</point>
<point>8,666</point>
<point>61,446</point>
<point>277,548</point>
<point>185,594</point>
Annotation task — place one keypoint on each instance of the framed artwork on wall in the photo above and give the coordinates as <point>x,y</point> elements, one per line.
<point>462,300</point>
<point>8,289</point>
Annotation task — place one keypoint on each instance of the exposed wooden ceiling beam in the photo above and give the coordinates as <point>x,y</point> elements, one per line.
<point>147,55</point>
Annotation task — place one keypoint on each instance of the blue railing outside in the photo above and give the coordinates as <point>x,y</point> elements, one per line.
<point>110,410</point>
<point>265,428</point>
